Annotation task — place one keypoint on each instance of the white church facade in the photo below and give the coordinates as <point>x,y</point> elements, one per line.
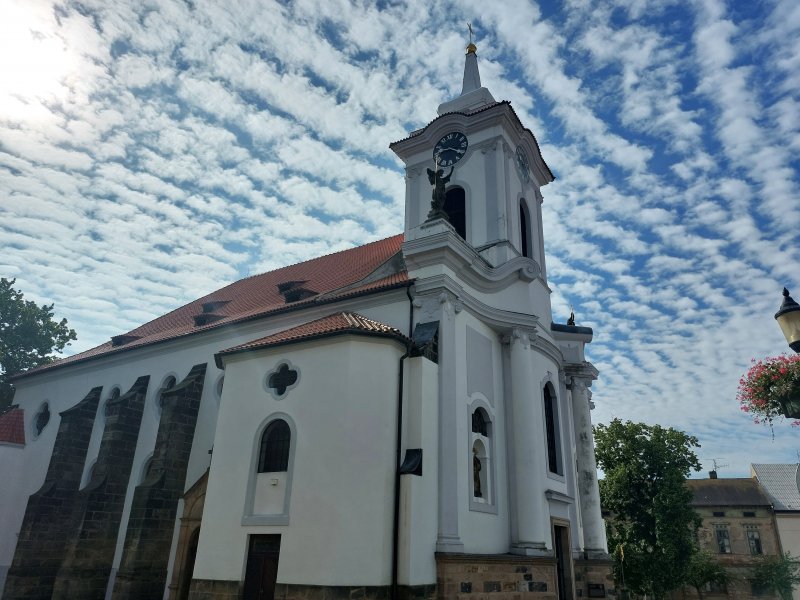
<point>398,420</point>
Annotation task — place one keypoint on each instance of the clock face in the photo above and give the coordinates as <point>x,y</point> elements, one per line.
<point>450,149</point>
<point>522,164</point>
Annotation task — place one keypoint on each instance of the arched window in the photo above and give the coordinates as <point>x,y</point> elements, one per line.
<point>554,460</point>
<point>481,494</point>
<point>524,229</point>
<point>455,207</point>
<point>169,382</point>
<point>273,455</point>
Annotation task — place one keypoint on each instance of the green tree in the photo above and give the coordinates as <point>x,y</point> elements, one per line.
<point>704,569</point>
<point>28,336</point>
<point>652,526</point>
<point>780,573</point>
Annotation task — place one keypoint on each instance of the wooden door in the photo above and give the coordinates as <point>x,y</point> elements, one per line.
<point>262,567</point>
<point>563,562</point>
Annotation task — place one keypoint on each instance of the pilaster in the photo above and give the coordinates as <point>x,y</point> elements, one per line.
<point>532,516</point>
<point>594,534</point>
<point>448,539</point>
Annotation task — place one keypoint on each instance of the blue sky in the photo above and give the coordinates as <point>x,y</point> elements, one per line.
<point>151,152</point>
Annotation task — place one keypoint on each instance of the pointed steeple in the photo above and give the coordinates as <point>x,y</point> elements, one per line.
<point>473,94</point>
<point>472,77</point>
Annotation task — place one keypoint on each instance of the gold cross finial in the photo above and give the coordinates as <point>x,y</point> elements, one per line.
<point>472,47</point>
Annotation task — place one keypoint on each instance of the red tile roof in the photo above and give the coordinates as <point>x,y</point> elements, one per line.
<point>335,324</point>
<point>333,277</point>
<point>12,426</point>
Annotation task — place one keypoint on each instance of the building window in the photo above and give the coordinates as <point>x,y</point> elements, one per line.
<point>481,462</point>
<point>714,587</point>
<point>524,230</point>
<point>168,383</point>
<point>723,540</point>
<point>274,453</point>
<point>754,541</point>
<point>748,513</point>
<point>718,513</point>
<point>455,207</point>
<point>553,433</point>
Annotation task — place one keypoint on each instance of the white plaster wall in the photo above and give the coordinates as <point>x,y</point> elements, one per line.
<point>418,501</point>
<point>65,387</point>
<point>789,534</point>
<point>340,512</point>
<point>482,533</point>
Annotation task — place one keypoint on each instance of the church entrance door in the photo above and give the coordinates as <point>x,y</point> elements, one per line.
<point>262,567</point>
<point>563,562</point>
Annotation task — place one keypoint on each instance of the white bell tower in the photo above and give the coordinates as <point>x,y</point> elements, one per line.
<point>493,202</point>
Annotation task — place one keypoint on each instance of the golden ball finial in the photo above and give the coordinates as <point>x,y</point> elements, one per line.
<point>472,48</point>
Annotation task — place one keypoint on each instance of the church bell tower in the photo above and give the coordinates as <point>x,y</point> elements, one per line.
<point>488,169</point>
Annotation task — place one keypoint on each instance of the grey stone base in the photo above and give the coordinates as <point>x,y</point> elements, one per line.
<point>208,589</point>
<point>211,589</point>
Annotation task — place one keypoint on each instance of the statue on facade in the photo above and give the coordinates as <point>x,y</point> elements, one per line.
<point>476,474</point>
<point>438,181</point>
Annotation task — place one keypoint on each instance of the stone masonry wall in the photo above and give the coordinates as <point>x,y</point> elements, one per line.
<point>98,507</point>
<point>46,524</point>
<point>143,570</point>
<point>499,577</point>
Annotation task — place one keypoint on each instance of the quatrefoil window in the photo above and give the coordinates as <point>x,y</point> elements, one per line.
<point>281,379</point>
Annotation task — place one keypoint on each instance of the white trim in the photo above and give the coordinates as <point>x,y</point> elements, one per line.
<point>249,517</point>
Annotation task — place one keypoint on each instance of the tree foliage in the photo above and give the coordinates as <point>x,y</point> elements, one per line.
<point>652,526</point>
<point>704,569</point>
<point>28,336</point>
<point>780,573</point>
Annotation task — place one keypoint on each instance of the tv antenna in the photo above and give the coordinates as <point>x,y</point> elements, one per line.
<point>717,465</point>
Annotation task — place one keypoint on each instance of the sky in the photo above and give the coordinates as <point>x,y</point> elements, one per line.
<point>152,152</point>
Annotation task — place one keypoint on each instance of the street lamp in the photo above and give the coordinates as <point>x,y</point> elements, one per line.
<point>788,317</point>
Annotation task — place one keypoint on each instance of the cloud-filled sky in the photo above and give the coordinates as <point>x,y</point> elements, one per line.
<point>153,151</point>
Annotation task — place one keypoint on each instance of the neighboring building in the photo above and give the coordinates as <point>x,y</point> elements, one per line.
<point>738,528</point>
<point>780,482</point>
<point>400,417</point>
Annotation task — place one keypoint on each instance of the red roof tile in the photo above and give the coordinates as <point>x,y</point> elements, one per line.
<point>12,426</point>
<point>338,323</point>
<point>332,277</point>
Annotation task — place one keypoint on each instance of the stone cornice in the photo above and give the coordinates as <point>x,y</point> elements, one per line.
<point>443,246</point>
<point>585,371</point>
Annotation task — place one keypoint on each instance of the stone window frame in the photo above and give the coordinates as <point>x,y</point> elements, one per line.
<point>46,404</point>
<point>753,536</point>
<point>558,429</point>
<point>278,364</point>
<point>110,396</point>
<point>489,505</point>
<point>249,517</point>
<point>718,539</point>
<point>144,468</point>
<point>156,399</point>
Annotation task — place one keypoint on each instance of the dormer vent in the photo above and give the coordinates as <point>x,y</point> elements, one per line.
<point>212,305</point>
<point>205,318</point>
<point>125,338</point>
<point>292,291</point>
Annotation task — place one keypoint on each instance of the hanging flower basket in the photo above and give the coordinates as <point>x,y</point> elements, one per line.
<point>771,388</point>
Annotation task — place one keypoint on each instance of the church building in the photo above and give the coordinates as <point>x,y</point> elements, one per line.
<point>399,420</point>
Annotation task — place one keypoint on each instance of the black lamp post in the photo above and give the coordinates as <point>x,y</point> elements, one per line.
<point>788,317</point>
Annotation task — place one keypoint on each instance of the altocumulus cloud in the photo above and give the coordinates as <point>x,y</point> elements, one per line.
<point>153,152</point>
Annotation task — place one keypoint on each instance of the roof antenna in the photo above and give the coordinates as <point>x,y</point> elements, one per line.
<point>717,465</point>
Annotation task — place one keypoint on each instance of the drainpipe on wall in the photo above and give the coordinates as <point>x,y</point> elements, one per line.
<point>399,446</point>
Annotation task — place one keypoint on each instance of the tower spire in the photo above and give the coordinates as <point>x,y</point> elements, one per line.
<point>473,94</point>
<point>472,77</point>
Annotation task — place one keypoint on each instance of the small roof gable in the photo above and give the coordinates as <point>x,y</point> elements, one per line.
<point>336,324</point>
<point>331,277</point>
<point>780,483</point>
<point>727,492</point>
<point>12,426</point>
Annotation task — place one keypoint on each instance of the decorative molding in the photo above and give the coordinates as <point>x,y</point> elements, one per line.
<point>555,496</point>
